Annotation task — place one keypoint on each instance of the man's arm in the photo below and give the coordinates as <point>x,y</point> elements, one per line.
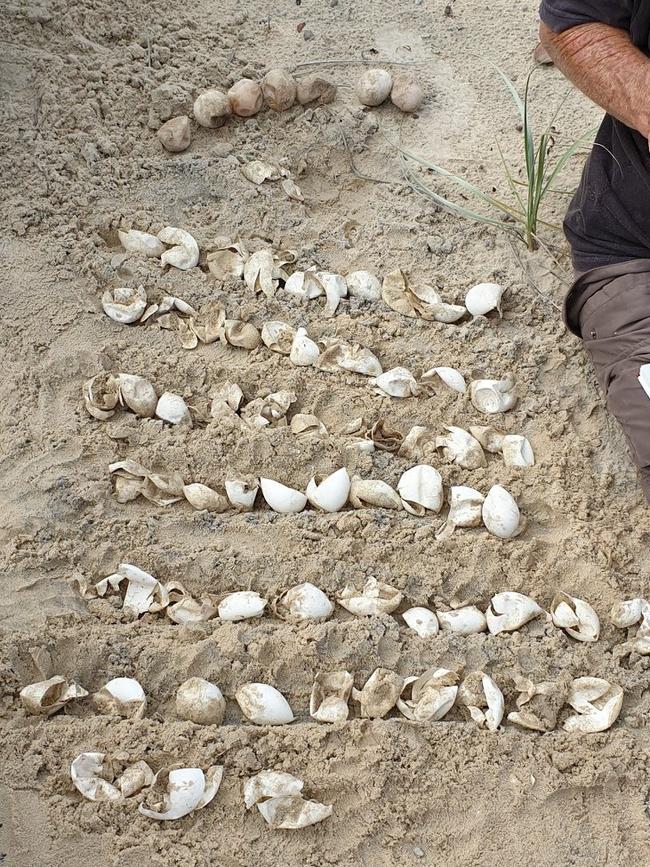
<point>605,65</point>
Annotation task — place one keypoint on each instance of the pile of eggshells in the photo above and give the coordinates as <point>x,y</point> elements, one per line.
<point>173,793</point>
<point>424,698</point>
<point>141,593</point>
<point>278,90</point>
<point>419,491</point>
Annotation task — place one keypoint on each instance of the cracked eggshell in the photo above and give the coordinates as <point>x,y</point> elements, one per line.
<point>278,336</point>
<point>449,376</point>
<point>178,792</point>
<point>373,86</point>
<point>420,489</point>
<point>173,409</point>
<point>510,611</point>
<point>184,253</point>
<point>379,694</point>
<point>483,699</point>
<point>461,448</point>
<point>467,620</point>
<point>483,298</point>
<point>329,696</point>
<point>334,287</point>
<point>279,89</point>
<point>597,702</point>
<point>48,696</point>
<point>241,334</point>
<point>397,382</point>
<point>538,704</point>
<point>263,704</point>
<point>359,359</point>
<point>122,696</point>
<point>304,352</point>
<point>202,497</point>
<point>134,778</point>
<point>429,697</point>
<point>500,513</point>
<point>375,598</point>
<point>138,394</point>
<point>124,304</point>
<point>270,784</point>
<point>241,605</point>
<point>575,616</point>
<point>143,592</point>
<point>627,613</point>
<point>282,499</point>
<point>363,285</point>
<point>101,395</point>
<point>211,108</point>
<point>489,437</point>
<point>134,241</point>
<point>304,602</point>
<point>200,702</point>
<point>304,285</point>
<point>242,493</point>
<point>517,451</point>
<point>422,620</point>
<point>331,494</point>
<point>491,396</point>
<point>245,97</point>
<point>373,493</point>
<point>87,773</point>
<point>293,813</point>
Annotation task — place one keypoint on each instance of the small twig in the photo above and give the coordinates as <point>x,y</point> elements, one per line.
<point>348,62</point>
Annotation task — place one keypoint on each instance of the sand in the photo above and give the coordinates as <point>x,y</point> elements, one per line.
<point>85,87</point>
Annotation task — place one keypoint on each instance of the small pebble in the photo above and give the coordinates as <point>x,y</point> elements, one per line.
<point>419,853</point>
<point>307,35</point>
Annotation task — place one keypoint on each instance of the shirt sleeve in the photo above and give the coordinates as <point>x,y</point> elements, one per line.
<point>560,15</point>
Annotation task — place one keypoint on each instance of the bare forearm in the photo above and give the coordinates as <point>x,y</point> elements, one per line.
<point>606,66</point>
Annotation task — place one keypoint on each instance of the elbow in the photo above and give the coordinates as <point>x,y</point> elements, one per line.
<point>545,35</point>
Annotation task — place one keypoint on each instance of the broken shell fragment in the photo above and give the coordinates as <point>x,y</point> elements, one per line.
<point>138,394</point>
<point>363,285</point>
<point>184,608</point>
<point>305,424</point>
<point>241,493</point>
<point>175,135</point>
<point>202,497</point>
<point>134,241</point>
<point>87,773</point>
<point>184,253</point>
<point>134,778</point>
<point>227,260</point>
<point>375,598</point>
<point>397,382</point>
<point>483,699</point>
<point>406,93</point>
<point>460,447</point>
<point>509,611</point>
<point>143,592</point>
<point>483,298</point>
<point>429,697</point>
<point>282,499</point>
<point>501,513</point>
<point>304,285</point>
<point>373,86</point>
<point>420,489</point>
<point>575,616</point>
<point>329,696</point>
<point>122,696</point>
<point>241,605</point>
<point>125,305</point>
<point>334,287</point>
<point>245,97</point>
<point>626,614</point>
<point>468,620</point>
<point>242,334</point>
<point>258,171</point>
<point>538,704</point>
<point>517,451</point>
<point>314,87</point>
<point>279,89</point>
<point>263,704</point>
<point>304,352</point>
<point>200,702</point>
<point>176,793</point>
<point>449,376</point>
<point>489,437</point>
<point>345,356</point>
<point>101,395</point>
<point>279,801</point>
<point>211,108</point>
<point>304,602</point>
<point>331,494</point>
<point>379,694</point>
<point>597,702</point>
<point>493,395</point>
<point>373,493</point>
<point>422,620</point>
<point>278,336</point>
<point>48,696</point>
<point>173,409</point>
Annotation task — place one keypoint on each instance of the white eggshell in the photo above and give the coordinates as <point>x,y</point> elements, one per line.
<point>423,621</point>
<point>501,513</point>
<point>332,493</point>
<point>282,499</point>
<point>241,605</point>
<point>263,704</point>
<point>483,298</point>
<point>173,409</point>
